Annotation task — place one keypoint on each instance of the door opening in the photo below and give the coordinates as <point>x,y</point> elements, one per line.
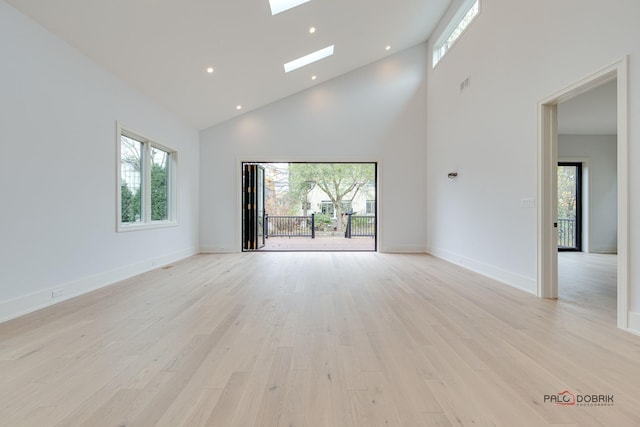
<point>547,278</point>
<point>309,206</point>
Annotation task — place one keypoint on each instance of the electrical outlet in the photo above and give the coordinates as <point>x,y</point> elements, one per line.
<point>57,293</point>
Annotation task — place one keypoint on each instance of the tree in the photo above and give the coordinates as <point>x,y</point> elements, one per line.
<point>158,192</point>
<point>131,152</point>
<point>276,187</point>
<point>126,205</point>
<point>339,181</point>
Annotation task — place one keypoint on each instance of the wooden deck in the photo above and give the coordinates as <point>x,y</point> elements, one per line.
<point>320,243</point>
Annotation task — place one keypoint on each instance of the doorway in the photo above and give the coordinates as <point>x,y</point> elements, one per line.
<point>309,206</point>
<point>548,185</point>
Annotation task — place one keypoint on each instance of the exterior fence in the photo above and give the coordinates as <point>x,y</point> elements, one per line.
<point>360,226</point>
<point>289,226</point>
<point>304,226</point>
<point>567,233</point>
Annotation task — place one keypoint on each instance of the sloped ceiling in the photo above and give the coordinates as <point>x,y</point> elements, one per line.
<point>164,47</point>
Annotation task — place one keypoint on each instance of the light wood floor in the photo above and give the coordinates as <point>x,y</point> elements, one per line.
<point>313,339</point>
<point>589,281</point>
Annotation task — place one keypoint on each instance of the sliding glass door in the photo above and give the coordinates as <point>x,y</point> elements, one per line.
<point>252,207</point>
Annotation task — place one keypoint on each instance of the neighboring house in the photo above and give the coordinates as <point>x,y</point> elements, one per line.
<point>363,202</point>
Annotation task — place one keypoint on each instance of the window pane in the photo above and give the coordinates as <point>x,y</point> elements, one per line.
<point>464,23</point>
<point>130,180</point>
<point>447,40</point>
<point>159,185</point>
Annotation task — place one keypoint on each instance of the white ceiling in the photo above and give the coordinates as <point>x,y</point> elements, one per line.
<point>592,113</point>
<point>163,47</point>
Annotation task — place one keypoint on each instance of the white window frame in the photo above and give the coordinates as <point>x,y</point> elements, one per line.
<point>172,193</point>
<point>443,44</point>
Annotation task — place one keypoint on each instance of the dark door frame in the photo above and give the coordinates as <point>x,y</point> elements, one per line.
<point>579,215</point>
<point>252,206</point>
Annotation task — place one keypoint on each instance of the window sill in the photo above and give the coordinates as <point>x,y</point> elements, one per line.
<point>123,228</point>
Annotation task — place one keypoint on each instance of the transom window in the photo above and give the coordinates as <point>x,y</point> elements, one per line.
<point>465,16</point>
<point>146,183</point>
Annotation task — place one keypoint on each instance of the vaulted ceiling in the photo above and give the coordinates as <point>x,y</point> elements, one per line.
<point>164,47</point>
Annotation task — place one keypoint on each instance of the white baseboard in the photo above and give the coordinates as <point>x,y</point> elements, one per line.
<point>25,304</point>
<point>518,281</point>
<point>634,323</point>
<point>205,249</point>
<point>403,249</point>
<point>396,249</point>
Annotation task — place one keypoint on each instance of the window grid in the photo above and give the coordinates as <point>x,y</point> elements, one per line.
<point>146,183</point>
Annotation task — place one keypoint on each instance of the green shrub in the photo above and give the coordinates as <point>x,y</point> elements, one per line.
<point>322,220</point>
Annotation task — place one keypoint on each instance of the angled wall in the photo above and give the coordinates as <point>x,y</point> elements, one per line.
<point>516,53</point>
<point>58,113</point>
<point>375,113</point>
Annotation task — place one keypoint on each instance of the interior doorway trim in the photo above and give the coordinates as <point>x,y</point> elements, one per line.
<point>547,278</point>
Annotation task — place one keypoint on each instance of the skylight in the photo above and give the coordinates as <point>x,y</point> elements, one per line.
<point>278,6</point>
<point>467,13</point>
<point>308,59</point>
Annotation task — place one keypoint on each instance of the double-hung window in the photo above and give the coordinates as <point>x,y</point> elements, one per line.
<point>146,184</point>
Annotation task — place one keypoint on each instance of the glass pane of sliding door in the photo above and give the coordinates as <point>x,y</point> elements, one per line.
<point>569,206</point>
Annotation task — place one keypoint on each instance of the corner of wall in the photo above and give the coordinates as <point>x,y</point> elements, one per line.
<point>517,281</point>
<point>634,322</point>
<point>25,304</point>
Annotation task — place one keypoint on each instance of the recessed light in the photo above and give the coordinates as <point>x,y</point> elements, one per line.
<point>313,77</point>
<point>238,107</point>
<point>308,59</point>
<point>387,48</point>
<point>312,30</point>
<point>210,70</point>
<point>278,6</point>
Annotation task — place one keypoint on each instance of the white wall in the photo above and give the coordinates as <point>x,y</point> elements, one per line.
<point>516,53</point>
<point>600,155</point>
<point>58,113</point>
<point>376,113</point>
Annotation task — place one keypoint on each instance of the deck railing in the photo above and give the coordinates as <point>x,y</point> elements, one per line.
<point>289,226</point>
<point>567,233</point>
<point>304,226</point>
<point>360,226</point>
